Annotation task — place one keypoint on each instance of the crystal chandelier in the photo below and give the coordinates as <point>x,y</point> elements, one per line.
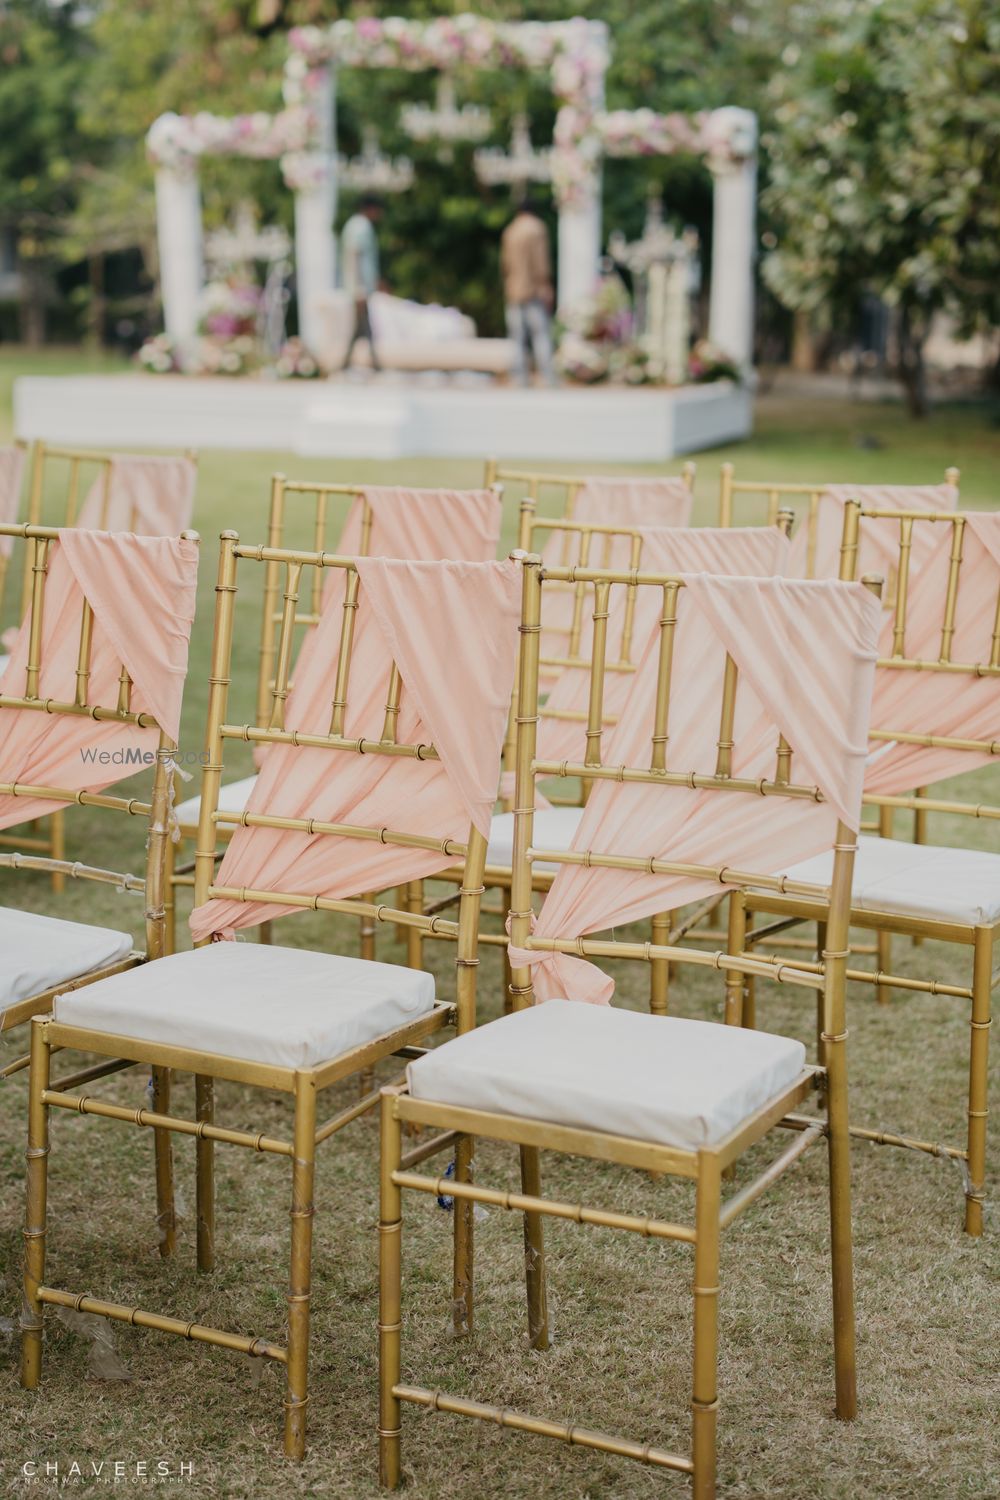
<point>444,121</point>
<point>523,164</point>
<point>372,172</point>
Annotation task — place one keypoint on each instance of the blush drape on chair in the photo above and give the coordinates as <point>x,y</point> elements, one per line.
<point>607,502</point>
<point>149,494</point>
<point>142,593</point>
<point>806,658</point>
<point>451,628</point>
<point>950,705</point>
<point>11,474</point>
<point>424,524</point>
<point>753,551</point>
<point>876,552</point>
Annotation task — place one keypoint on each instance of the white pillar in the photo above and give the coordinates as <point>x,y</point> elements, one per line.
<point>580,245</point>
<point>315,211</point>
<point>734,238</point>
<point>579,242</point>
<point>178,235</point>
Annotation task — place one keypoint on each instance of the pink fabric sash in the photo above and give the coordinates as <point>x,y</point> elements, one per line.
<point>632,503</point>
<point>148,494</point>
<point>876,552</point>
<point>755,551</point>
<point>424,524</point>
<point>947,704</point>
<point>11,472</point>
<point>451,627</point>
<point>142,592</point>
<point>806,657</point>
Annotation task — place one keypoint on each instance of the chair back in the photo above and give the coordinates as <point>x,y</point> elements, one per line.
<point>698,788</point>
<point>382,764</point>
<point>92,690</point>
<point>818,509</point>
<point>380,521</point>
<point>936,709</point>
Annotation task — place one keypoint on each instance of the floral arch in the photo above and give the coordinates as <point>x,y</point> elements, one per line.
<point>302,136</point>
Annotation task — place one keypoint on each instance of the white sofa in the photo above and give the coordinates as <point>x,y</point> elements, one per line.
<point>408,336</point>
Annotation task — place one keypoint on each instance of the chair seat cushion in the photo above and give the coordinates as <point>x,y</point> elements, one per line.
<point>653,1078</point>
<point>554,828</point>
<point>233,797</point>
<point>37,952</point>
<point>917,880</point>
<point>288,1007</point>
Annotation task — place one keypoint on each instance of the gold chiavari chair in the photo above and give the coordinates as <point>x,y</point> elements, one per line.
<point>324,521</point>
<point>58,481</point>
<point>777,496</point>
<point>277,1018</point>
<point>43,956</point>
<point>615,1086</point>
<point>582,545</point>
<point>923,890</point>
<point>534,481</point>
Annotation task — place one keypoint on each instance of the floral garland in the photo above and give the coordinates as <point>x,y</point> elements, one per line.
<point>176,141</point>
<point>575,52</point>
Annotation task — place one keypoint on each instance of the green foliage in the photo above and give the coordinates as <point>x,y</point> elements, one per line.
<point>883,158</point>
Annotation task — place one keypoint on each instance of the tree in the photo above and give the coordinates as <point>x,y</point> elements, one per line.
<point>43,60</point>
<point>884,162</point>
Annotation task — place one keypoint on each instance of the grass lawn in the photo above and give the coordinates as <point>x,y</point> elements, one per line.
<point>927,1307</point>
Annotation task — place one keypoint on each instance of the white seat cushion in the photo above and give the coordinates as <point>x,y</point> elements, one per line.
<point>554,828</point>
<point>38,952</point>
<point>917,880</point>
<point>653,1078</point>
<point>285,1006</point>
<point>233,797</point>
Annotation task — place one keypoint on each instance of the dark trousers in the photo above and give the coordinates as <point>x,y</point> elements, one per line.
<point>362,330</point>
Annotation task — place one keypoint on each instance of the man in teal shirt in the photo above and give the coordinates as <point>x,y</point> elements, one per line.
<point>360,270</point>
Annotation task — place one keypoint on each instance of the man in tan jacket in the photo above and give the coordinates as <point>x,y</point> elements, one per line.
<point>526,268</point>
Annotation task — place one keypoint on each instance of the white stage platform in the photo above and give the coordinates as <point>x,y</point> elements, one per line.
<point>381,419</point>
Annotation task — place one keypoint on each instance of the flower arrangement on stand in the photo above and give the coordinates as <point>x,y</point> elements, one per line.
<point>708,362</point>
<point>295,362</point>
<point>597,339</point>
<point>160,355</point>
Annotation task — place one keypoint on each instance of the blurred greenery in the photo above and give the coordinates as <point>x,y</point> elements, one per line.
<point>897,99</point>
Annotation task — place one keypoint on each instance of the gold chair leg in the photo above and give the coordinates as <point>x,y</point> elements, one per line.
<point>841,1248</point>
<point>367,931</point>
<point>508,1002</point>
<point>919,837</point>
<point>534,1252</point>
<point>204,1096</point>
<point>390,1298</point>
<point>464,1229</point>
<point>749,982</point>
<point>57,829</point>
<point>820,1006</point>
<point>166,1215</point>
<point>884,939</point>
<point>414,937</point>
<point>37,1157</point>
<point>704,1392</point>
<point>884,962</point>
<point>735,944</point>
<point>300,1280</point>
<point>982,984</point>
<point>659,968</point>
<point>170,851</point>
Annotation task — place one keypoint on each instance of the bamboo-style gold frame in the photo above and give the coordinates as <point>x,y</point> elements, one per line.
<point>39,540</point>
<point>705,1168</point>
<point>305,613</point>
<point>303,1085</point>
<point>536,480</point>
<point>53,844</point>
<point>779,496</point>
<point>982,940</point>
